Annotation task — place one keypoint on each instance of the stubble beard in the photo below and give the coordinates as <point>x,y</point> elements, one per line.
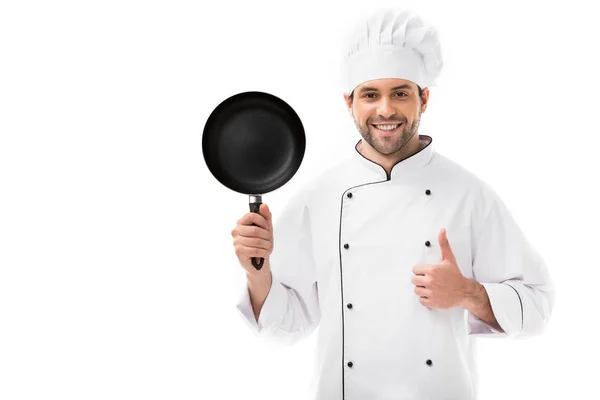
<point>392,144</point>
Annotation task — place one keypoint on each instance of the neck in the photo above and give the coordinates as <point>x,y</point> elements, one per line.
<point>387,161</point>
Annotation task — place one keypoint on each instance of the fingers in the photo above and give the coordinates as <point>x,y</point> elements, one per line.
<point>420,280</point>
<point>253,242</point>
<point>251,232</point>
<point>247,252</point>
<point>423,283</point>
<point>427,302</point>
<point>253,236</point>
<point>253,218</point>
<point>422,292</point>
<point>421,269</point>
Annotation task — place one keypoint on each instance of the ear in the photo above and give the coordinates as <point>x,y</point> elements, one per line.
<point>424,100</point>
<point>348,103</point>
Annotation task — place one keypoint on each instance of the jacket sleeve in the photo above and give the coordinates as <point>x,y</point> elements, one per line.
<point>291,310</point>
<point>514,275</point>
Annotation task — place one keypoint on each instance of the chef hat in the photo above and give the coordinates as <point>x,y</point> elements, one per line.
<point>393,44</point>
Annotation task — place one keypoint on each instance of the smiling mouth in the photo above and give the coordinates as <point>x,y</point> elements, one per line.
<point>386,128</point>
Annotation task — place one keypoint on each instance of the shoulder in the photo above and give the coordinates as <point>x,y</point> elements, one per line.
<point>449,171</point>
<point>476,194</point>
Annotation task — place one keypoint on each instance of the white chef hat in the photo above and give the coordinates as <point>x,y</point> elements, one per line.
<point>393,44</point>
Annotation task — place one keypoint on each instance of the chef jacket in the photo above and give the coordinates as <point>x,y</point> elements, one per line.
<point>344,249</point>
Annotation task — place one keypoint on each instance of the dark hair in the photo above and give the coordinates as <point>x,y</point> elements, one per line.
<point>418,87</point>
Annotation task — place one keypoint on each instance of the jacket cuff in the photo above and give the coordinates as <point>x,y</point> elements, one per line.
<point>275,305</point>
<point>507,308</point>
<point>272,310</point>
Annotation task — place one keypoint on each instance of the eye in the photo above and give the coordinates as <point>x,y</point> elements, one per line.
<point>369,94</point>
<point>402,93</point>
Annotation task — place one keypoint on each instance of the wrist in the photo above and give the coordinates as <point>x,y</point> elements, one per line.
<point>261,276</point>
<point>471,293</point>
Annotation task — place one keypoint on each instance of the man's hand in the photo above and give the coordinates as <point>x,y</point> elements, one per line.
<point>442,285</point>
<point>253,237</point>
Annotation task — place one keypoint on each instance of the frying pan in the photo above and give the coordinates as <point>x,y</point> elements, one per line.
<point>253,143</point>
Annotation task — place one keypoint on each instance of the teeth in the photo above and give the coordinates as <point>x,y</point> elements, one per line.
<point>387,127</point>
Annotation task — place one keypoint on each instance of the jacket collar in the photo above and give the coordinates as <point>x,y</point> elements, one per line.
<point>412,163</point>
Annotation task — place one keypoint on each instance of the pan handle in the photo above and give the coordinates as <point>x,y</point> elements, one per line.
<point>255,202</point>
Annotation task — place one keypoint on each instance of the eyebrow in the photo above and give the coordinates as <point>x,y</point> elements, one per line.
<point>372,89</point>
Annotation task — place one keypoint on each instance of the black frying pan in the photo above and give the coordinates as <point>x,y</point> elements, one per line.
<point>253,143</point>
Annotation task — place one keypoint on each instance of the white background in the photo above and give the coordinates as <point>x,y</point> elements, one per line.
<point>118,278</point>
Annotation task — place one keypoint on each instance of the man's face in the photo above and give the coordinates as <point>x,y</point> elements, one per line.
<point>381,104</point>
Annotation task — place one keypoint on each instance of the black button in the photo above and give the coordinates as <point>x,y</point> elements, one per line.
<point>350,364</point>
<point>429,362</point>
<point>346,245</point>
<point>428,192</point>
<point>349,194</point>
<point>349,306</point>
<point>427,243</point>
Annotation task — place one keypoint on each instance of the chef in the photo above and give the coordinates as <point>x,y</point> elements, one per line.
<point>398,254</point>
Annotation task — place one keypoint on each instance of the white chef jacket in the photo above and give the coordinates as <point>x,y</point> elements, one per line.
<point>344,249</point>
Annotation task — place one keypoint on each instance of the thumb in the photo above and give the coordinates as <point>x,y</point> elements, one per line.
<point>266,213</point>
<point>447,254</point>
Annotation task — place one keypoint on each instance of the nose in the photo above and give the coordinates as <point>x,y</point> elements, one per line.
<point>384,108</point>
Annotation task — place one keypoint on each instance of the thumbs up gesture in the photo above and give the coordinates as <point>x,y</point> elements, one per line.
<point>441,285</point>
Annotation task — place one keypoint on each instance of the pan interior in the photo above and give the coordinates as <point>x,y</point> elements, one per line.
<point>254,145</point>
